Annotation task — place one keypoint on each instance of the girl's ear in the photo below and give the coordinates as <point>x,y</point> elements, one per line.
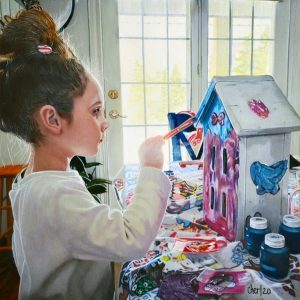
<point>50,119</point>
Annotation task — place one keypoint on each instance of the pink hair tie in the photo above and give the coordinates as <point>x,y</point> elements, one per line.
<point>44,49</point>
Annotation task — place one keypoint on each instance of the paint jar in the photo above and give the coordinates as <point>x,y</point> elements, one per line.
<point>274,257</point>
<point>290,229</point>
<point>255,234</point>
<point>294,202</point>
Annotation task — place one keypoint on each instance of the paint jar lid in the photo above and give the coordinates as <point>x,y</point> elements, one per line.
<point>274,240</point>
<point>258,223</point>
<point>291,221</point>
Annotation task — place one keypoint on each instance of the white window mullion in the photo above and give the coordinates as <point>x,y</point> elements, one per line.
<point>252,36</point>
<point>230,38</point>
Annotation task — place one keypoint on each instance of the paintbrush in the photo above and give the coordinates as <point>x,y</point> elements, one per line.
<point>180,128</point>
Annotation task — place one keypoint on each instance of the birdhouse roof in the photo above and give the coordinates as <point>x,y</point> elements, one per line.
<point>255,105</point>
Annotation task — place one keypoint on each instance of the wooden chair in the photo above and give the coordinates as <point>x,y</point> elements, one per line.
<point>182,138</point>
<point>9,277</point>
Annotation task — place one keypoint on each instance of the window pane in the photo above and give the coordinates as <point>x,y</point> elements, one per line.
<point>218,8</point>
<point>156,60</point>
<point>218,58</point>
<point>241,8</point>
<point>264,18</point>
<point>130,7</point>
<point>241,28</point>
<point>218,27</point>
<point>263,52</point>
<point>179,65</point>
<point>179,97</point>
<point>178,27</point>
<point>218,19</point>
<point>157,103</point>
<point>178,7</point>
<point>241,58</point>
<point>155,26</point>
<point>131,60</point>
<point>133,104</point>
<point>130,26</point>
<point>155,7</point>
<point>133,137</point>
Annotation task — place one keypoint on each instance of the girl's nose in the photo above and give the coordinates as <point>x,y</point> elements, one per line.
<point>104,125</point>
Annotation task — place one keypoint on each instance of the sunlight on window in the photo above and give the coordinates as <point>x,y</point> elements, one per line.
<point>155,60</point>
<point>240,37</point>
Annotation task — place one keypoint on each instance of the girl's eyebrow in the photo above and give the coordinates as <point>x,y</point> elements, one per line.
<point>96,103</point>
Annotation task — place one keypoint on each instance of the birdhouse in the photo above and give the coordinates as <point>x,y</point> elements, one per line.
<point>247,123</point>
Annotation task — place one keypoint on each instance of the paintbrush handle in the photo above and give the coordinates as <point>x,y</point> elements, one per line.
<point>181,127</point>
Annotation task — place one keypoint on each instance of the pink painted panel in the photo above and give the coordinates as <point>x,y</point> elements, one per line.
<point>222,183</point>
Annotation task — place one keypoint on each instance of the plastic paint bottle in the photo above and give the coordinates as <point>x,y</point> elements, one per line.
<point>290,229</point>
<point>274,257</point>
<point>255,234</point>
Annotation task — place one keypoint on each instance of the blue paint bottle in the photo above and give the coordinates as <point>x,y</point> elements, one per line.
<point>255,234</point>
<point>290,229</point>
<point>274,257</point>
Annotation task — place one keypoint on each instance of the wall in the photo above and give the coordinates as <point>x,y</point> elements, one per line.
<point>294,68</point>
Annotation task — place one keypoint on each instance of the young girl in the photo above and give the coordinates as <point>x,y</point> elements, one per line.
<point>63,240</point>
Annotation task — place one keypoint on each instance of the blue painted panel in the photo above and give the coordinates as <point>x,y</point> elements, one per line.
<point>216,119</point>
<point>206,103</point>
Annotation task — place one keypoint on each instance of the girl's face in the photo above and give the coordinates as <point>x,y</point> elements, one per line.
<point>86,131</point>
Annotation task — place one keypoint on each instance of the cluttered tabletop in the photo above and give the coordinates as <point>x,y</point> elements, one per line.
<point>189,260</point>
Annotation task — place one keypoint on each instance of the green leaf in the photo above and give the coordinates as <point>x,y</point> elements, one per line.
<point>97,198</point>
<point>97,189</point>
<point>85,179</point>
<point>100,181</point>
<point>77,164</point>
<point>92,164</point>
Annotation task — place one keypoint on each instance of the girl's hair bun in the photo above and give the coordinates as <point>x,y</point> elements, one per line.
<point>37,68</point>
<point>21,35</point>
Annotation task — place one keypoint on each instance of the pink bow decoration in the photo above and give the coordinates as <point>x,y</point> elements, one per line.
<point>259,108</point>
<point>215,119</point>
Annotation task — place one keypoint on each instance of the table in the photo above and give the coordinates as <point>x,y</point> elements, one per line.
<point>144,278</point>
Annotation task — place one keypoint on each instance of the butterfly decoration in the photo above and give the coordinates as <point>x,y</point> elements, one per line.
<point>215,119</point>
<point>266,178</point>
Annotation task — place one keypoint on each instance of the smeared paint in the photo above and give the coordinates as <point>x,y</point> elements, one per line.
<point>222,183</point>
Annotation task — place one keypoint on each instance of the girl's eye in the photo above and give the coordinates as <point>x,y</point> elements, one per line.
<point>97,111</point>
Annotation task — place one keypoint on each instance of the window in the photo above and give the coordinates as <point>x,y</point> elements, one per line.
<point>213,157</point>
<point>224,205</point>
<point>240,37</point>
<point>170,49</point>
<point>155,61</point>
<point>224,161</point>
<point>212,198</point>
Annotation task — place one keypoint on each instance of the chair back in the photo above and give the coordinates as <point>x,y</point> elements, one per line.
<point>7,175</point>
<point>9,282</point>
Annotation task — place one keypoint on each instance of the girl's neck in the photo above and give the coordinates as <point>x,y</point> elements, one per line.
<point>46,159</point>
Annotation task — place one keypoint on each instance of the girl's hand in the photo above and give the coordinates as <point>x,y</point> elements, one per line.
<point>151,152</point>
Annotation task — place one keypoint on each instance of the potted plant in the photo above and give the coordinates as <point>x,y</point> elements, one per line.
<point>87,171</point>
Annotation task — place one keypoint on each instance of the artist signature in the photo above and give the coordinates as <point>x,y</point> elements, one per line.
<point>258,290</point>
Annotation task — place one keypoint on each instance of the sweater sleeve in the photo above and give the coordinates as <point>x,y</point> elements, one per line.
<point>92,231</point>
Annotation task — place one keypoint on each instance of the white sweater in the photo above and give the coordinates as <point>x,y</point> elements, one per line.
<point>64,241</point>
